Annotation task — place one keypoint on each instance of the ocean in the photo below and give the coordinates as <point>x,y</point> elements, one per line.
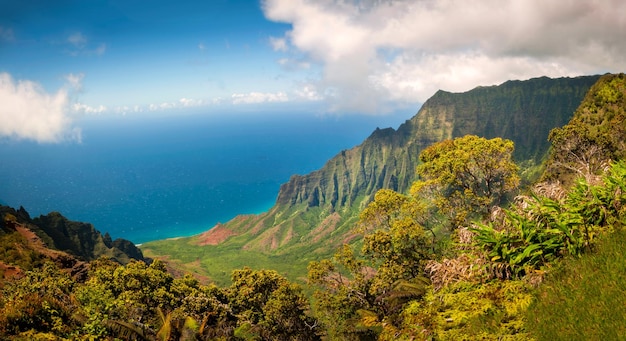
<point>147,178</point>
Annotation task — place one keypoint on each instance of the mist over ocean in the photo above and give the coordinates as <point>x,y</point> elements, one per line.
<point>147,179</point>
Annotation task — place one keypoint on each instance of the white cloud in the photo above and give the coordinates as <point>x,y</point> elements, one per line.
<point>125,109</point>
<point>77,39</point>
<point>190,102</point>
<point>75,81</point>
<point>308,92</point>
<point>160,106</point>
<point>29,112</point>
<point>81,46</point>
<point>372,52</point>
<point>278,44</point>
<point>100,50</point>
<point>180,104</point>
<point>88,110</point>
<point>259,97</point>
<point>293,64</point>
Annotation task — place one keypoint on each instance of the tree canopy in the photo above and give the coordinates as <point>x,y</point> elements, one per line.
<point>463,178</point>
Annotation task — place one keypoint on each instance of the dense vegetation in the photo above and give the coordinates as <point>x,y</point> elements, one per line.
<point>466,254</point>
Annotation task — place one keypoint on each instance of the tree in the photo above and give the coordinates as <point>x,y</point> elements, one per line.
<point>358,295</point>
<point>463,178</point>
<point>396,244</point>
<point>269,307</point>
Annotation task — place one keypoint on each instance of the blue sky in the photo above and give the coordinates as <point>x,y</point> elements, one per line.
<point>63,60</point>
<point>127,53</point>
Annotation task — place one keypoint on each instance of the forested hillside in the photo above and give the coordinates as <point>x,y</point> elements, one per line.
<point>79,240</point>
<point>314,213</point>
<point>468,253</point>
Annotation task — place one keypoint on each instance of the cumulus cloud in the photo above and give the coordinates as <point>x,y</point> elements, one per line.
<point>259,97</point>
<point>371,52</point>
<point>29,112</point>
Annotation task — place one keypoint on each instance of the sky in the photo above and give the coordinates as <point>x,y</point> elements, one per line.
<point>66,60</point>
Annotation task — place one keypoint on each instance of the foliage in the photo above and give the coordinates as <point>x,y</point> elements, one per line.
<point>544,229</point>
<point>358,294</point>
<point>466,176</point>
<point>594,136</point>
<point>583,298</point>
<point>269,307</point>
<point>14,250</point>
<point>39,301</point>
<point>463,311</point>
<point>394,242</point>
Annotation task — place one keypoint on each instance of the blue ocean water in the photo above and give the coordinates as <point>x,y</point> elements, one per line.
<point>146,179</point>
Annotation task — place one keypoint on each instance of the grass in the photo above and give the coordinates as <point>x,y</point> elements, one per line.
<point>216,262</point>
<point>585,299</point>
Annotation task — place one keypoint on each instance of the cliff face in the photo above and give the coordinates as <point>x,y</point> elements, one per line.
<point>522,111</point>
<point>382,161</point>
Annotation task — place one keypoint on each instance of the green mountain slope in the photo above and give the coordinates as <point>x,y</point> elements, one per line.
<point>57,233</point>
<point>314,213</point>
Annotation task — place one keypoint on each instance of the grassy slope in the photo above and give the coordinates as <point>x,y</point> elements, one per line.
<point>217,261</point>
<point>584,299</point>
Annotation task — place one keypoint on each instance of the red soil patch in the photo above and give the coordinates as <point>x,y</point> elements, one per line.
<point>215,235</point>
<point>10,271</point>
<point>327,226</point>
<point>257,227</point>
<point>349,238</point>
<point>37,244</point>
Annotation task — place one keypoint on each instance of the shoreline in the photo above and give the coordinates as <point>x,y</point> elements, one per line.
<point>194,234</point>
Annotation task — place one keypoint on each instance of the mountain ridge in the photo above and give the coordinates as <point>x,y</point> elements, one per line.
<point>55,234</point>
<point>314,213</point>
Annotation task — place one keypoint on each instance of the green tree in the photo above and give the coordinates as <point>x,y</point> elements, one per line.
<point>342,291</point>
<point>269,307</point>
<point>394,242</point>
<point>358,294</point>
<point>463,178</point>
